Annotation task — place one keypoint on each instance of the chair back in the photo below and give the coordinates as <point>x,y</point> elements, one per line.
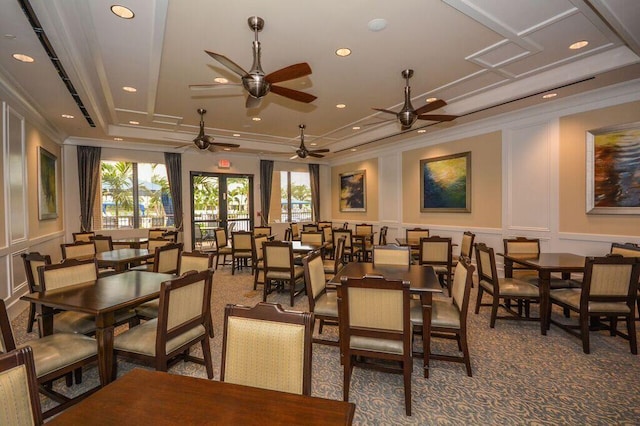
<point>338,255</point>
<point>19,399</point>
<point>364,229</point>
<point>382,240</point>
<point>258,249</point>
<point>466,248</point>
<point>343,233</point>
<point>267,347</point>
<point>82,236</point>
<point>312,237</point>
<point>295,230</point>
<point>324,224</point>
<point>220,235</point>
<point>195,261</point>
<point>626,249</point>
<point>156,233</point>
<point>167,258</point>
<point>155,243</point>
<point>261,230</point>
<point>241,242</point>
<point>310,227</point>
<point>391,255</point>
<point>610,279</point>
<point>435,251</point>
<point>79,250</point>
<point>288,236</point>
<point>314,277</point>
<point>327,233</point>
<point>31,263</point>
<point>103,243</point>
<point>184,307</point>
<point>413,235</point>
<point>171,236</point>
<point>522,245</point>
<point>486,260</point>
<point>69,272</point>
<point>345,225</point>
<point>461,287</point>
<point>278,257</point>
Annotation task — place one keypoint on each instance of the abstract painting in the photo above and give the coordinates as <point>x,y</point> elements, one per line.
<point>445,184</point>
<point>353,192</point>
<point>613,170</point>
<point>47,198</point>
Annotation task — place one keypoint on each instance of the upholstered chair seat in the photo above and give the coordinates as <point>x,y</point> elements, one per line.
<point>327,305</point>
<point>142,339</point>
<point>377,345</point>
<point>571,297</point>
<point>50,354</point>
<point>444,313</point>
<point>298,272</point>
<point>512,287</point>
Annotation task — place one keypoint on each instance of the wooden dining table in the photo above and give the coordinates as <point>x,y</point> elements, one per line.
<point>130,242</point>
<point>304,248</point>
<point>119,259</point>
<point>102,298</point>
<point>159,398</point>
<point>545,264</point>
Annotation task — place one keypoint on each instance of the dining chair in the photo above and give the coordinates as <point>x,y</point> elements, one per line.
<point>466,247</point>
<point>628,250</point>
<point>19,399</point>
<point>222,246</point>
<point>280,268</point>
<point>103,243</point>
<point>327,232</point>
<point>79,250</point>
<point>324,224</point>
<point>153,244</point>
<point>262,230</point>
<point>333,265</point>
<point>55,356</point>
<point>375,324</point>
<point>413,240</point>
<point>83,236</point>
<point>241,251</point>
<point>391,254</point>
<point>312,237</point>
<point>382,238</point>
<point>267,347</point>
<point>323,303</point>
<point>295,231</point>
<point>609,289</point>
<point>351,251</point>
<point>524,246</point>
<point>436,252</point>
<point>171,236</point>
<point>288,236</point>
<point>365,232</point>
<point>156,233</point>
<point>166,258</point>
<point>448,318</point>
<point>310,227</point>
<point>501,289</point>
<point>345,225</point>
<point>31,263</point>
<point>257,262</point>
<point>184,319</point>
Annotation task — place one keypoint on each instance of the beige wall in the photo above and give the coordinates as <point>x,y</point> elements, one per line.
<point>486,182</point>
<point>371,182</point>
<point>573,128</point>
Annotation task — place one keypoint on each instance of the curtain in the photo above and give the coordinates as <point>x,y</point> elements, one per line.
<point>314,179</point>
<point>88,176</point>
<point>173,162</point>
<point>266,180</point>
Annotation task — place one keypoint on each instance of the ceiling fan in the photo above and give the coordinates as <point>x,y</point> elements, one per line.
<point>255,81</point>
<point>203,141</point>
<point>408,115</point>
<point>303,152</point>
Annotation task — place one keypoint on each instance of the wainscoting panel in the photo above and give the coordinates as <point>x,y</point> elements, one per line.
<point>389,187</point>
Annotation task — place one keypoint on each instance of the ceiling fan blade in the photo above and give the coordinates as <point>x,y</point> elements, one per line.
<point>296,95</point>
<point>386,110</point>
<point>294,157</point>
<point>208,86</point>
<point>436,117</point>
<point>211,148</point>
<point>289,73</point>
<point>430,106</point>
<point>228,63</point>
<point>313,154</point>
<point>252,102</point>
<point>320,150</point>
<point>226,145</point>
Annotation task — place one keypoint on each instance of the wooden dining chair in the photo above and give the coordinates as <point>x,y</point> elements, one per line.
<point>436,252</point>
<point>524,246</point>
<point>382,238</point>
<point>166,259</point>
<point>365,232</point>
<point>312,237</point>
<point>103,243</point>
<point>628,250</point>
<point>257,262</point>
<point>222,246</point>
<point>262,230</point>
<point>351,251</point>
<point>391,254</point>
<point>327,233</point>
<point>279,267</point>
<point>466,247</point>
<point>375,324</point>
<point>82,236</point>
<point>55,356</point>
<point>80,250</point>
<point>413,240</point>
<point>19,399</point>
<point>267,347</point>
<point>156,233</point>
<point>241,249</point>
<point>171,236</point>
<point>310,227</point>
<point>323,303</point>
<point>295,231</point>
<point>31,263</point>
<point>183,320</point>
<point>333,265</point>
<point>324,224</point>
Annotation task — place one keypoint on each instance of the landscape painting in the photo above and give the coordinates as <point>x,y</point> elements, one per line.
<point>353,192</point>
<point>613,170</point>
<point>47,197</point>
<point>446,183</point>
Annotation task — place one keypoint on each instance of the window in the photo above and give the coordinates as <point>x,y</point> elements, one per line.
<point>133,195</point>
<point>295,197</point>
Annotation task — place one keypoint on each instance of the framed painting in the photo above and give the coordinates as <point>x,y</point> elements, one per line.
<point>47,197</point>
<point>353,191</point>
<point>613,170</point>
<point>445,183</point>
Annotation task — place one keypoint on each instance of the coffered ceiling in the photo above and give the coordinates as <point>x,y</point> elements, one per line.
<point>483,57</point>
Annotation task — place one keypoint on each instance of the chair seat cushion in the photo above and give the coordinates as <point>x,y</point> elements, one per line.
<point>225,250</point>
<point>298,271</point>
<point>148,267</point>
<point>242,253</point>
<point>74,322</point>
<point>329,265</point>
<point>327,305</point>
<point>142,339</point>
<point>59,350</point>
<point>148,309</point>
<point>440,269</point>
<point>571,297</point>
<point>376,345</point>
<point>555,282</point>
<point>512,287</point>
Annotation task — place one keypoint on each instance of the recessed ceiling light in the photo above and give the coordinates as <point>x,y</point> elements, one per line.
<point>236,134</point>
<point>134,122</point>
<point>356,127</point>
<point>227,149</point>
<point>313,144</point>
<point>341,106</point>
<point>129,89</point>
<point>422,131</point>
<point>578,45</point>
<point>256,118</point>
<point>377,24</point>
<point>353,150</point>
<point>9,36</point>
<point>343,51</point>
<point>549,95</point>
<point>221,80</point>
<point>118,139</point>
<point>432,99</point>
<point>67,116</point>
<point>122,12</point>
<point>22,58</point>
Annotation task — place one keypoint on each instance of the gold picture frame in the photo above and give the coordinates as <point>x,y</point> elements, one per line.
<point>47,185</point>
<point>353,191</point>
<point>445,184</point>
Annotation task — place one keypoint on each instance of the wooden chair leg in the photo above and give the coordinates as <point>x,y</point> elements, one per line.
<point>494,311</point>
<point>479,299</point>
<point>32,317</point>
<point>631,330</point>
<point>407,369</point>
<point>584,332</point>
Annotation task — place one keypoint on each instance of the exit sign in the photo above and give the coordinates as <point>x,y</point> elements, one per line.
<point>224,164</point>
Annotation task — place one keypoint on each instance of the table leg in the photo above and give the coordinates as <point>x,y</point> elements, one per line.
<point>426,300</point>
<point>508,268</point>
<point>45,320</point>
<point>544,281</point>
<point>104,337</point>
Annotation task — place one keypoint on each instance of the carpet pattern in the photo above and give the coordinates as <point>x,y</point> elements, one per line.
<point>519,376</point>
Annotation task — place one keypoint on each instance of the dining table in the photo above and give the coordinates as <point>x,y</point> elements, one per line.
<point>120,259</point>
<point>130,242</point>
<point>159,398</point>
<point>545,264</point>
<point>101,298</point>
<point>304,248</point>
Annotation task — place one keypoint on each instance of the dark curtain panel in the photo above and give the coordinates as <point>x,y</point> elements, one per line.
<point>314,178</point>
<point>89,175</point>
<point>173,162</point>
<point>266,180</point>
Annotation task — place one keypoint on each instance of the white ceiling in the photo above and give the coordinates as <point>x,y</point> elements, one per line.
<point>475,54</point>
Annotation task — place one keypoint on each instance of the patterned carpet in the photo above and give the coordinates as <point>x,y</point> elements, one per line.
<point>519,376</point>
